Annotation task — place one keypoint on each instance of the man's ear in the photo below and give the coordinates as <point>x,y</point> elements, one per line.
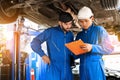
<point>59,22</point>
<point>92,18</point>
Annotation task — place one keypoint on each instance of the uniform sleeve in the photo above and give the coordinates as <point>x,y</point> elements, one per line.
<point>105,45</point>
<point>77,37</point>
<point>75,56</point>
<point>72,37</point>
<point>38,40</point>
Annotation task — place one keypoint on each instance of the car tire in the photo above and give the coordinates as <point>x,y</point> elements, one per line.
<point>111,78</point>
<point>118,35</point>
<point>7,15</point>
<point>110,4</point>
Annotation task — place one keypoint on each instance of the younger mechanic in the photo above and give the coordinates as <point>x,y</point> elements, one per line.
<point>97,43</point>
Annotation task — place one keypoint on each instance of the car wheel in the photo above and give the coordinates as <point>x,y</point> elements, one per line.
<point>7,14</point>
<point>110,4</point>
<point>111,78</point>
<point>118,35</point>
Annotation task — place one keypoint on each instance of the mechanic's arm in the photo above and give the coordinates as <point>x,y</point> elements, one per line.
<point>105,45</point>
<point>105,48</point>
<point>36,45</point>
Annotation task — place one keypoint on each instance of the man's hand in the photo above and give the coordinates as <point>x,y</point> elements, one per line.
<point>87,47</point>
<point>46,59</point>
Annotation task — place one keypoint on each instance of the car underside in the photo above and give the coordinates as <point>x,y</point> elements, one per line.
<point>107,12</point>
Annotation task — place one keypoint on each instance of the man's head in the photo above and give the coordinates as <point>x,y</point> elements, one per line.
<point>85,17</point>
<point>65,21</point>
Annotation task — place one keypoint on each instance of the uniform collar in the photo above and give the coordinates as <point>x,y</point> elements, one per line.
<point>88,28</point>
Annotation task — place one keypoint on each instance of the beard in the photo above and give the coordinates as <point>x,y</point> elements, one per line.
<point>65,29</point>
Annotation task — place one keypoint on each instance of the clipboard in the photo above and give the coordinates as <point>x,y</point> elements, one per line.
<point>74,47</point>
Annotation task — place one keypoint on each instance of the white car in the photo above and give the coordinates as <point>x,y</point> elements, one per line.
<point>112,66</point>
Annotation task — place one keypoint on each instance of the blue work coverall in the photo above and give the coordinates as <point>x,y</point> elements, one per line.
<point>91,63</point>
<point>59,68</point>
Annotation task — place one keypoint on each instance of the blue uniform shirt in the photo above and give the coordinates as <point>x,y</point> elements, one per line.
<point>91,64</point>
<point>59,55</point>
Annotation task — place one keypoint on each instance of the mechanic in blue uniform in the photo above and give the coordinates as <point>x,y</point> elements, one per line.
<point>97,44</point>
<point>58,58</point>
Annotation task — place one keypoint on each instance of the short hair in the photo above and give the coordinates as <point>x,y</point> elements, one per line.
<point>65,17</point>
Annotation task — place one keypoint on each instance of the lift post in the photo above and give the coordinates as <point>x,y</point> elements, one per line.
<point>16,53</point>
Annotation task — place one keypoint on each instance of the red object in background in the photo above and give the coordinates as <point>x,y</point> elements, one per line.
<point>32,74</point>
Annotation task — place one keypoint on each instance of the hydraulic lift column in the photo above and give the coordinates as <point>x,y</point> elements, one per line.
<point>17,53</point>
<point>17,61</point>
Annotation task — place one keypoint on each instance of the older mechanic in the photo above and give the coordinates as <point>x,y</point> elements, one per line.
<point>58,58</point>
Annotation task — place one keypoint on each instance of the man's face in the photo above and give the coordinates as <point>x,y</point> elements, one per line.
<point>65,26</point>
<point>85,23</point>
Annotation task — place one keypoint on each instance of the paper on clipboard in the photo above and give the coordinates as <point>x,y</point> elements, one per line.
<point>75,47</point>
